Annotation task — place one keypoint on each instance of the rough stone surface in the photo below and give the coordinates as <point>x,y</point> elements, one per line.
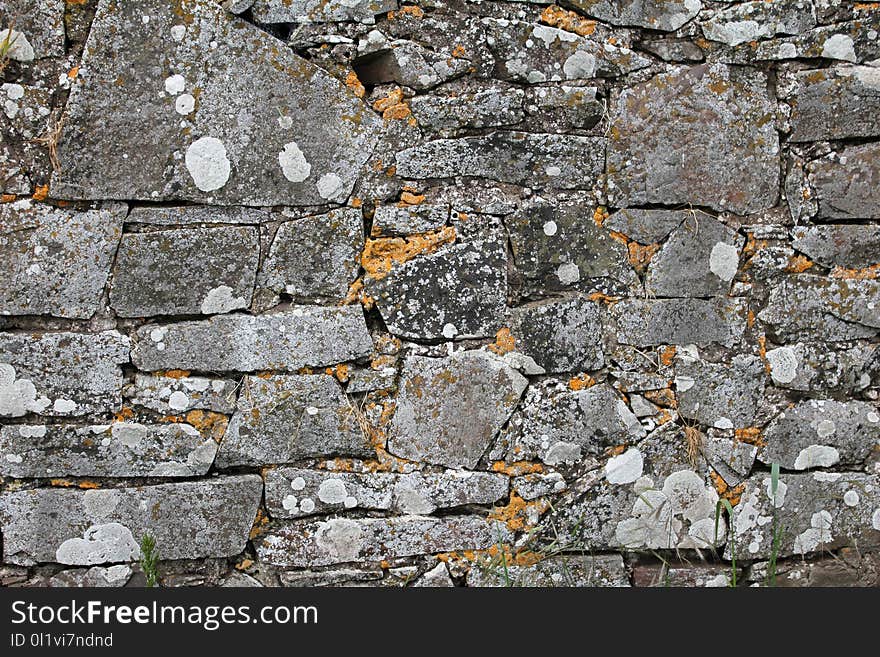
<point>187,271</point>
<point>720,395</point>
<point>836,103</point>
<point>839,245</point>
<point>56,261</point>
<point>288,340</point>
<point>449,409</point>
<point>679,321</point>
<point>170,395</point>
<point>566,571</point>
<point>846,183</point>
<point>666,15</point>
<point>82,528</point>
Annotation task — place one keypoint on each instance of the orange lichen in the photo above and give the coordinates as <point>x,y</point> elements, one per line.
<point>640,255</point>
<point>866,274</point>
<point>380,255</point>
<point>618,237</point>
<point>409,197</point>
<point>7,198</point>
<point>762,352</point>
<point>753,245</point>
<point>260,523</point>
<point>341,372</point>
<point>356,202</point>
<point>88,485</point>
<point>798,264</point>
<point>208,422</point>
<point>750,318</point>
<point>567,20</point>
<point>64,483</point>
<point>357,294</point>
<point>504,342</point>
<point>392,106</point>
<point>126,413</point>
<point>265,375</point>
<point>663,397</point>
<point>732,495</point>
<point>517,468</point>
<point>177,374</point>
<point>617,450</point>
<point>518,514</point>
<point>581,382</point>
<point>458,51</point>
<point>244,564</point>
<point>41,193</point>
<point>667,355</point>
<point>600,214</point>
<point>353,83</point>
<point>601,297</point>
<point>72,73</point>
<point>750,435</point>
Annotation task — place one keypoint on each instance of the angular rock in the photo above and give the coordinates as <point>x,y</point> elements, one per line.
<point>288,340</point>
<point>666,15</point>
<point>340,540</point>
<point>722,150</point>
<point>560,336</point>
<point>643,322</point>
<point>700,259</point>
<point>410,64</point>
<point>560,426</point>
<point>567,570</point>
<point>96,576</point>
<point>298,492</point>
<point>188,520</point>
<point>817,512</point>
<point>533,486</point>
<point>686,575</point>
<point>557,246</point>
<point>316,257</point>
<point>563,108</point>
<point>647,226</point>
<point>842,245</point>
<point>720,395</point>
<point>122,449</point>
<point>288,417</point>
<point>537,160</point>
<point>207,140</point>
<point>61,374</point>
<point>458,291</point>
<point>814,367</point>
<point>806,307</point>
<point>822,434</point>
<point>24,112</point>
<point>170,395</point>
<point>438,576</point>
<point>837,103</point>
<point>40,21</point>
<point>338,577</point>
<point>730,458</point>
<point>449,409</point>
<point>55,261</point>
<point>186,271</point>
<point>848,184</point>
<point>481,108</point>
<point>845,42</point>
<point>395,220</point>
<point>752,21</point>
<point>320,11</point>
<point>197,214</point>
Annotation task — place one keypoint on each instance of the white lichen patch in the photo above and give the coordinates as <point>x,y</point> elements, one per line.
<point>32,431</point>
<point>175,84</point>
<point>340,538</point>
<point>781,489</point>
<point>99,504</point>
<point>290,503</point>
<point>449,331</point>
<point>184,104</point>
<point>18,396</point>
<point>840,46</point>
<point>825,428</point>
<point>332,491</point>
<point>207,163</point>
<point>875,519</point>
<point>550,228</point>
<point>625,468</point>
<point>851,498</point>
<point>816,456</point>
<point>178,401</point>
<point>64,406</point>
<point>724,261</point>
<point>178,32</point>
<point>330,187</point>
<point>818,534</point>
<point>106,543</point>
<point>568,273</point>
<point>293,163</point>
<point>298,483</point>
<point>784,362</point>
<point>221,300</point>
<point>579,65</point>
<point>19,49</point>
<point>130,434</point>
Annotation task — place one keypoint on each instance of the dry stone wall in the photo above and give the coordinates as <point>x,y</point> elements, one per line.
<point>440,292</point>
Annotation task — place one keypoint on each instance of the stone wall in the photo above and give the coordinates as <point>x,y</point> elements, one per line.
<point>447,292</point>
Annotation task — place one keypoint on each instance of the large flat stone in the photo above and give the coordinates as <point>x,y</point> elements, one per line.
<point>197,214</point>
<point>55,261</point>
<point>721,150</point>
<point>187,271</point>
<point>815,367</point>
<point>340,540</point>
<point>188,520</point>
<point>718,394</point>
<point>164,109</point>
<point>644,322</point>
<point>752,21</point>
<point>565,570</point>
<point>666,15</point>
<point>852,246</point>
<point>320,11</point>
<point>40,21</point>
<point>837,103</point>
<point>61,374</point>
<point>847,184</point>
<point>298,337</point>
<point>122,449</point>
<point>170,395</point>
<point>285,418</point>
<point>449,409</point>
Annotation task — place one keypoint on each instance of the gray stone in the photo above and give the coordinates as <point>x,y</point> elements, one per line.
<point>170,395</point>
<point>186,271</point>
<point>289,417</point>
<point>752,21</point>
<point>410,64</point>
<point>320,11</point>
<point>437,577</point>
<point>40,21</point>
<point>721,152</point>
<point>535,485</point>
<point>449,409</point>
<point>197,214</point>
<point>341,540</point>
<point>561,426</point>
<point>188,520</point>
<point>807,307</point>
<point>731,458</point>
<point>24,112</point>
<point>822,434</point>
<point>288,340</point>
<point>303,148</point>
<point>700,259</point>
<point>56,261</point>
<point>558,246</point>
<point>563,108</point>
<point>121,449</point>
<point>673,50</point>
<point>816,512</point>
<point>643,322</point>
<point>685,575</point>
<point>61,374</point>
<point>837,103</point>
<point>842,245</point>
<point>539,160</point>
<point>666,15</point>
<point>316,257</point>
<point>480,108</point>
<point>845,42</point>
<point>848,183</point>
<point>720,395</point>
<point>458,291</point>
<point>396,220</point>
<point>648,226</point>
<point>299,492</point>
<point>815,367</point>
<point>560,336</point>
<point>96,576</point>
<point>566,570</point>
<point>336,577</point>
